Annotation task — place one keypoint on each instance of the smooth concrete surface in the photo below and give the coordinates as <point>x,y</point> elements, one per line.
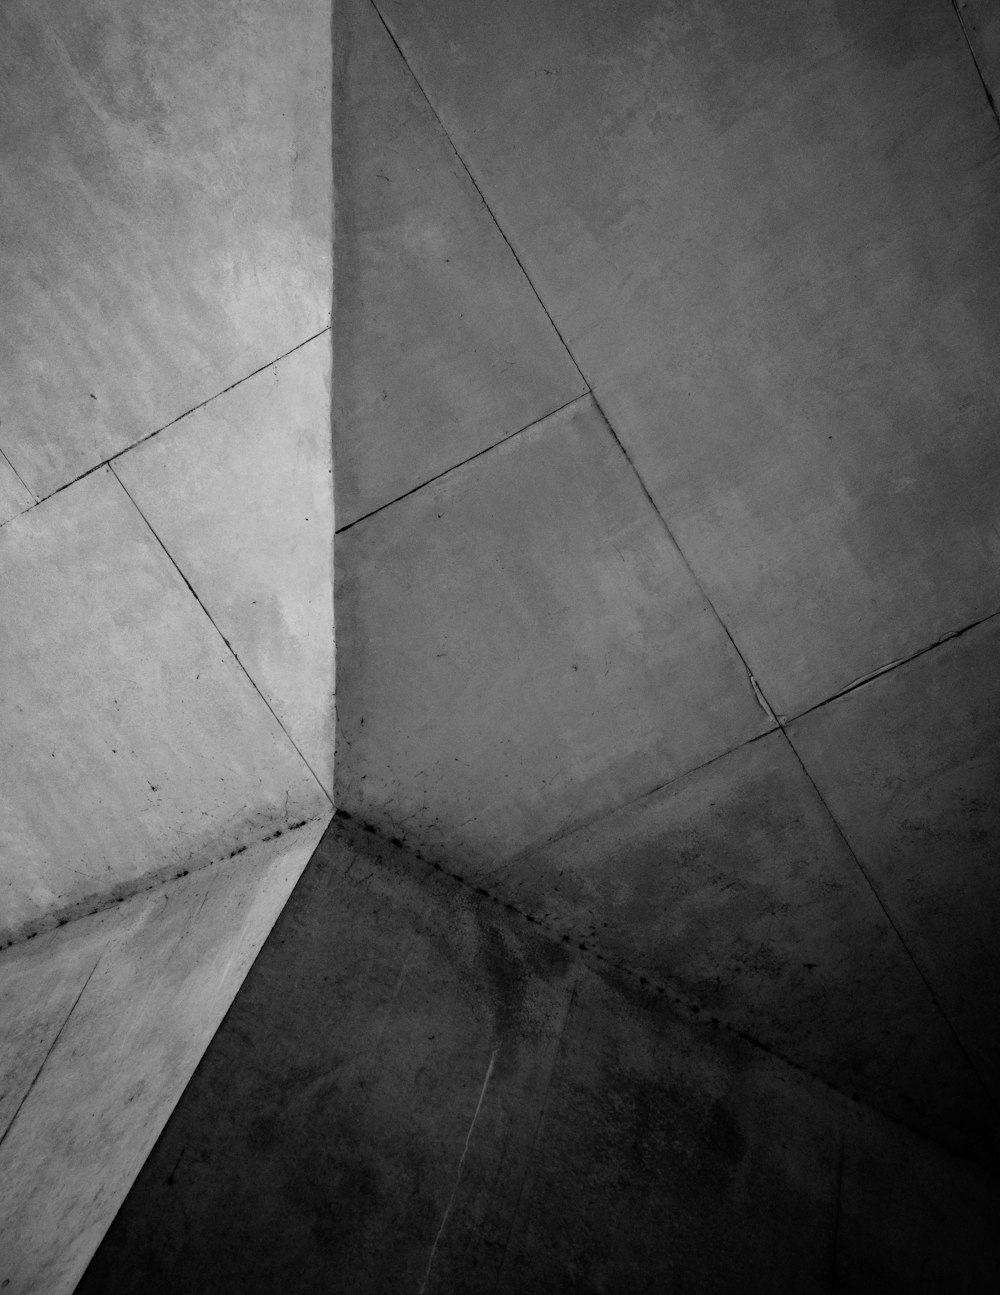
<point>108,1016</point>
<point>910,765</point>
<point>240,494</point>
<point>40,980</point>
<point>764,232</point>
<point>165,270</point>
<point>765,235</point>
<point>14,494</point>
<point>734,889</point>
<point>133,744</point>
<point>167,209</point>
<point>418,1091</point>
<point>442,347</point>
<point>522,649</point>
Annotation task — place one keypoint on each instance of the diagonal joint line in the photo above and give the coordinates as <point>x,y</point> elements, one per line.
<point>454,467</point>
<point>482,196</point>
<point>758,692</point>
<point>211,620</point>
<point>975,59</point>
<point>51,1048</point>
<point>107,463</point>
<point>870,882</point>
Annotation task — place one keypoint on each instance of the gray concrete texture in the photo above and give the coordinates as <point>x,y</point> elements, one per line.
<point>910,765</point>
<point>442,347</point>
<point>762,232</point>
<point>240,494</point>
<point>592,668</point>
<point>134,745</point>
<point>529,649</point>
<point>418,1090</point>
<point>167,197</point>
<point>103,1021</point>
<point>664,407</point>
<point>166,635</point>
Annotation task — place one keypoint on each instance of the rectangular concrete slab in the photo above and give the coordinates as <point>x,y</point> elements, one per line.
<point>441,346</point>
<point>132,744</point>
<point>167,213</point>
<point>734,889</point>
<point>240,493</point>
<point>762,231</point>
<point>910,766</point>
<point>522,649</point>
<point>14,495</point>
<point>161,970</point>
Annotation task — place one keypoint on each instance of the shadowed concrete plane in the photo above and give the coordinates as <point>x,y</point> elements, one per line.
<point>652,948</point>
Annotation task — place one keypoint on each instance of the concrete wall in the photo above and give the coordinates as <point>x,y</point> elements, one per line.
<point>418,1090</point>
<point>665,417</point>
<point>696,668</point>
<point>166,521</point>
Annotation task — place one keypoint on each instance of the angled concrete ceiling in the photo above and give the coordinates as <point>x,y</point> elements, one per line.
<point>665,418</point>
<point>684,642</point>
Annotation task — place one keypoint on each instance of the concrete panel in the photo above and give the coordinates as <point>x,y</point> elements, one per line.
<point>240,494</point>
<point>167,212</point>
<point>163,968</point>
<point>734,888</point>
<point>762,230</point>
<point>417,1090</point>
<point>14,496</point>
<point>522,649</point>
<point>441,346</point>
<point>910,766</point>
<point>133,745</point>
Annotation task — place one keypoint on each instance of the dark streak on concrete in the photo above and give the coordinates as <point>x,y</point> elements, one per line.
<point>650,990</point>
<point>613,1142</point>
<point>975,59</point>
<point>100,901</point>
<point>464,462</point>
